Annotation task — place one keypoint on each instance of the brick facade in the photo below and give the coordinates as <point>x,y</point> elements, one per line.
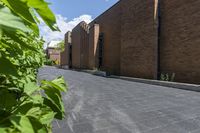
<point>110,25</point>
<point>180,39</point>
<point>65,61</point>
<point>138,39</point>
<point>141,41</point>
<point>93,44</point>
<point>80,46</point>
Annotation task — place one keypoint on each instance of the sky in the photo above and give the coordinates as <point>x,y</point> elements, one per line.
<point>71,12</point>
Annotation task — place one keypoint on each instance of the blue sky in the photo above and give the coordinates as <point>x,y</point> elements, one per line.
<point>71,12</point>
<point>75,8</point>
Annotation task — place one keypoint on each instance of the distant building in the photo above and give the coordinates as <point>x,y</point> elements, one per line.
<point>53,52</point>
<point>142,39</point>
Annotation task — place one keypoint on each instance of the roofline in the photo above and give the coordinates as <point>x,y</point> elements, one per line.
<point>105,11</point>
<point>79,24</point>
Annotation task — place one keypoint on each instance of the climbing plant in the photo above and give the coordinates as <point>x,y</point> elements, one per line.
<point>25,106</point>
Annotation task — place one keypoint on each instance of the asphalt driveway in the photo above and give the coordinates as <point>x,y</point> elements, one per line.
<point>104,105</point>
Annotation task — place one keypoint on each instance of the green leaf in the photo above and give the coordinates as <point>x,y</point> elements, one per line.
<point>53,92</point>
<point>15,37</point>
<point>4,115</point>
<point>40,6</point>
<point>30,88</point>
<point>24,108</point>
<point>22,123</point>
<point>37,125</point>
<point>37,98</point>
<point>1,33</point>
<point>22,12</point>
<point>6,67</point>
<point>50,103</point>
<point>58,83</point>
<point>10,22</point>
<point>47,116</point>
<point>7,100</point>
<point>13,49</point>
<point>37,110</point>
<point>45,13</point>
<point>2,130</point>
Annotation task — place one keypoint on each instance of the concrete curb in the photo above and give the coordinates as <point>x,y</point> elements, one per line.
<point>95,72</point>
<point>183,86</point>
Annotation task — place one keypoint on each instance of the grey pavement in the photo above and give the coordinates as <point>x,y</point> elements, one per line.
<point>104,105</point>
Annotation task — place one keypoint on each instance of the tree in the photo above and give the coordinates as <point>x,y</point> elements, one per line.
<point>61,45</point>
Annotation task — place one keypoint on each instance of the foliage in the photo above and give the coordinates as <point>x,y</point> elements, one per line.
<point>32,112</point>
<point>167,77</point>
<point>61,45</point>
<point>49,62</point>
<point>26,107</point>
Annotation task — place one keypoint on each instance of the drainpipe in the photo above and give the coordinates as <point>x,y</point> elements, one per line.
<point>158,40</point>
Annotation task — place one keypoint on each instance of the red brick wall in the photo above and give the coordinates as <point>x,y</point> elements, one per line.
<point>93,42</point>
<point>80,46</point>
<point>84,46</point>
<point>180,39</point>
<point>65,54</point>
<point>138,39</point>
<point>131,39</point>
<point>76,48</point>
<point>109,24</point>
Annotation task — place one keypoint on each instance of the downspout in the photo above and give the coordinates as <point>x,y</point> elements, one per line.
<point>157,19</point>
<point>158,40</point>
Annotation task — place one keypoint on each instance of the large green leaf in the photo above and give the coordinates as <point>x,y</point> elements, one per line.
<point>10,22</point>
<point>50,103</point>
<point>40,6</point>
<point>6,67</point>
<point>20,8</point>
<point>53,92</point>
<point>45,13</point>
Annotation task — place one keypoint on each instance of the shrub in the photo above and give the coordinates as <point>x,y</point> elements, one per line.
<point>23,109</point>
<point>49,62</point>
<point>167,77</point>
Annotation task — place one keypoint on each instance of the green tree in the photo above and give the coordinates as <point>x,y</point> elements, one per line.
<point>61,45</point>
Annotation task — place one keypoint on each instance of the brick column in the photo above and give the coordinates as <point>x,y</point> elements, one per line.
<point>93,42</point>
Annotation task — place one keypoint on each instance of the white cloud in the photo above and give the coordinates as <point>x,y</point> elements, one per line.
<point>63,25</point>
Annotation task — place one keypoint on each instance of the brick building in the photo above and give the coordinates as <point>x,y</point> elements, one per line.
<point>53,52</point>
<point>80,46</point>
<point>143,39</point>
<point>66,55</point>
